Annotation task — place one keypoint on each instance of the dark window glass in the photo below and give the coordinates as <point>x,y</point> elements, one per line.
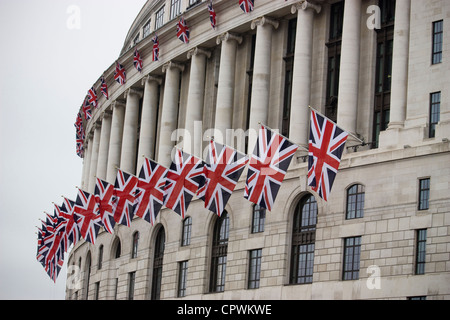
<point>135,245</point>
<point>254,272</point>
<point>158,264</point>
<point>435,112</point>
<point>182,278</point>
<point>131,281</point>
<point>421,247</point>
<point>259,218</point>
<point>355,202</point>
<point>187,229</point>
<point>219,254</point>
<point>352,256</point>
<point>424,194</point>
<point>438,36</point>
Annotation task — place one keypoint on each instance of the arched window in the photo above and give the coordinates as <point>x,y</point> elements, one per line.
<point>355,202</point>
<point>186,233</point>
<point>158,264</point>
<point>87,274</point>
<point>100,257</point>
<point>303,241</point>
<point>117,249</point>
<point>219,253</point>
<point>134,250</point>
<point>258,219</point>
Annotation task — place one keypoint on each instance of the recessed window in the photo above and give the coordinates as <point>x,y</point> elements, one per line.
<point>158,264</point>
<point>146,29</point>
<point>175,8</point>
<point>187,229</point>
<point>438,36</point>
<point>435,113</point>
<point>135,245</point>
<point>182,278</point>
<point>424,194</point>
<point>131,281</point>
<point>355,202</point>
<point>254,271</point>
<point>159,20</point>
<point>352,257</point>
<point>258,219</point>
<point>219,254</point>
<point>421,246</point>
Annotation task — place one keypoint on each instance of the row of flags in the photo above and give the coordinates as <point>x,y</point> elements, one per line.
<point>91,100</point>
<point>212,181</point>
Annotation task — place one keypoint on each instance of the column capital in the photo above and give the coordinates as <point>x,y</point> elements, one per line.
<point>138,92</point>
<point>198,50</point>
<point>172,64</point>
<point>118,103</point>
<point>105,114</point>
<point>149,78</point>
<point>229,36</point>
<point>304,5</point>
<point>263,20</point>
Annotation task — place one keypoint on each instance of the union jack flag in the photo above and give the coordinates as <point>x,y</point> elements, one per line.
<point>212,15</point>
<point>152,180</point>
<point>267,168</point>
<point>183,31</point>
<point>326,146</point>
<point>55,255</point>
<point>120,74</point>
<point>65,211</point>
<point>125,190</point>
<point>104,88</point>
<point>137,60</point>
<point>87,109</point>
<point>155,48</point>
<point>104,195</point>
<point>222,170</point>
<point>184,178</point>
<point>92,97</point>
<point>87,216</point>
<point>247,5</point>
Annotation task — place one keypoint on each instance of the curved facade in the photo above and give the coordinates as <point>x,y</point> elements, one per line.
<point>378,68</point>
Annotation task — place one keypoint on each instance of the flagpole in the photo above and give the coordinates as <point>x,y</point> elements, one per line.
<point>349,133</point>
<point>297,144</point>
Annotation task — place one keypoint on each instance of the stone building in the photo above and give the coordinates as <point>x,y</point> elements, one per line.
<point>379,68</point>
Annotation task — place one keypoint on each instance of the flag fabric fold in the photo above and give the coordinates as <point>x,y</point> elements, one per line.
<point>247,5</point>
<point>92,97</point>
<point>183,31</point>
<point>267,167</point>
<point>125,190</point>
<point>222,170</point>
<point>184,178</point>
<point>155,50</point>
<point>212,15</point>
<point>152,180</point>
<point>104,88</point>
<point>87,216</point>
<point>104,195</point>
<point>120,74</point>
<point>326,146</point>
<point>137,60</point>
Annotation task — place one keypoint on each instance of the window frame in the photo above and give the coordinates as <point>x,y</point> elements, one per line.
<point>358,196</point>
<point>258,219</point>
<point>424,194</point>
<point>186,232</point>
<point>254,268</point>
<point>219,253</point>
<point>159,17</point>
<point>135,244</point>
<point>182,278</point>
<point>421,252</point>
<point>353,251</point>
<point>435,113</point>
<point>437,42</point>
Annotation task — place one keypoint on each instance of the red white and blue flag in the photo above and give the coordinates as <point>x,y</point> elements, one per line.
<point>120,74</point>
<point>87,109</point>
<point>326,146</point>
<point>92,97</point>
<point>137,60</point>
<point>212,15</point>
<point>267,167</point>
<point>152,180</point>
<point>184,178</point>
<point>222,170</point>
<point>104,195</point>
<point>104,87</point>
<point>155,50</point>
<point>87,216</point>
<point>247,5</point>
<point>125,190</point>
<point>183,31</point>
<point>65,211</point>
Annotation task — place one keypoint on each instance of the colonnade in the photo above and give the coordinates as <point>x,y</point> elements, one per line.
<point>114,140</point>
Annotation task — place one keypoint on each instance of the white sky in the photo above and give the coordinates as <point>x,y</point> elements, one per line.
<point>46,70</point>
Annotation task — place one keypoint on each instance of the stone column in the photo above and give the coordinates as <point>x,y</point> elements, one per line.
<point>94,156</point>
<point>150,103</point>
<point>102,163</point>
<point>349,74</point>
<point>169,116</point>
<point>115,143</point>
<point>86,161</point>
<point>259,106</point>
<point>302,73</point>
<point>195,101</point>
<point>225,90</point>
<point>130,131</point>
<point>400,58</point>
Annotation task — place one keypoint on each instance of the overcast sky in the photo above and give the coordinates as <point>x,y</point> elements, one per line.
<point>49,59</point>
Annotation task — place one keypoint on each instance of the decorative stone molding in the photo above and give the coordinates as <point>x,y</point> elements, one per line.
<point>151,78</point>
<point>263,20</point>
<point>304,5</point>
<point>138,92</point>
<point>229,36</point>
<point>172,64</point>
<point>197,51</point>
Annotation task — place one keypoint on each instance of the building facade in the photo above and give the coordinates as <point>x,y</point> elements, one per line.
<point>379,68</point>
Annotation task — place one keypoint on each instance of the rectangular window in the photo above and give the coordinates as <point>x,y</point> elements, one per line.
<point>259,218</point>
<point>435,113</point>
<point>289,69</point>
<point>132,279</point>
<point>97,290</point>
<point>146,29</point>
<point>438,35</point>
<point>424,194</point>
<point>159,18</point>
<point>254,271</point>
<point>352,256</point>
<point>175,8</point>
<point>182,278</point>
<point>421,246</point>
